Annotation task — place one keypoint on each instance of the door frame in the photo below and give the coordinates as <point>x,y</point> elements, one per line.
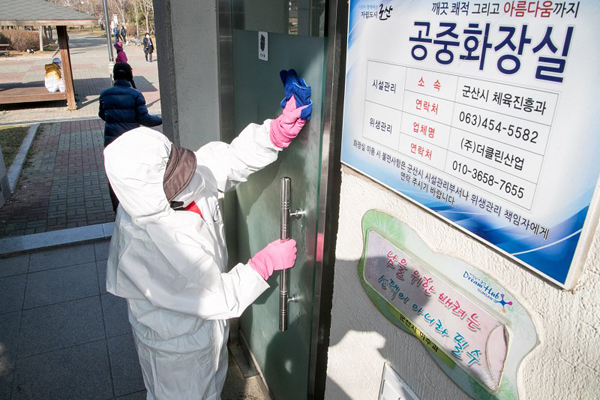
<point>330,179</point>
<point>329,193</point>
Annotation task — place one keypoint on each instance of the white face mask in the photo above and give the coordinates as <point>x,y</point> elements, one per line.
<point>192,190</point>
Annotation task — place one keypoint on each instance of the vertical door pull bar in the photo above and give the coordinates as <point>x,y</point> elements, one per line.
<point>286,216</point>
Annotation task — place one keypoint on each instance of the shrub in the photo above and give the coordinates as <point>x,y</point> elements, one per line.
<point>21,40</point>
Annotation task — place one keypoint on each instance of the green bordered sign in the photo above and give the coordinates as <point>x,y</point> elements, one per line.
<point>471,325</point>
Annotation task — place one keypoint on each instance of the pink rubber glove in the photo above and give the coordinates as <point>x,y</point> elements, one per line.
<point>276,256</point>
<point>288,125</point>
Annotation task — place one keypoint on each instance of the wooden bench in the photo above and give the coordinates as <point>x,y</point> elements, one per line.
<point>28,94</point>
<point>4,49</point>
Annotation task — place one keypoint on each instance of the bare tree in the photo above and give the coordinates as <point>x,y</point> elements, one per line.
<point>65,3</point>
<point>92,7</point>
<point>137,18</point>
<point>148,10</point>
<point>116,7</point>
<point>124,9</point>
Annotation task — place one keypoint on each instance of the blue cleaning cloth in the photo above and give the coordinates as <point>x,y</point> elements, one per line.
<point>296,86</point>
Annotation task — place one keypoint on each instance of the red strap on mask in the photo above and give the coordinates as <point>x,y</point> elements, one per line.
<point>194,208</point>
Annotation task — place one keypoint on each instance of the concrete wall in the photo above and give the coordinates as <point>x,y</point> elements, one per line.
<point>187,47</point>
<point>565,365</point>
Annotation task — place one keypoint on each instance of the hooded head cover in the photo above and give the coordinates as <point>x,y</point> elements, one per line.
<point>136,165</point>
<point>123,71</point>
<point>179,172</point>
<point>119,47</point>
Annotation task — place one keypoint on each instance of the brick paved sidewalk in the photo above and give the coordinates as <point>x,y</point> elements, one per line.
<point>63,184</point>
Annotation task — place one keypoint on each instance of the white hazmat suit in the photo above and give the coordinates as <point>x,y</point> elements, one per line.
<point>53,79</point>
<point>171,266</point>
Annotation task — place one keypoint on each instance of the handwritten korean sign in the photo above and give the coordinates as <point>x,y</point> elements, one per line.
<point>474,339</point>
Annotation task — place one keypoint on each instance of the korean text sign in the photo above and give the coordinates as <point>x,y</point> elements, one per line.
<point>471,325</point>
<point>484,113</point>
<point>474,338</point>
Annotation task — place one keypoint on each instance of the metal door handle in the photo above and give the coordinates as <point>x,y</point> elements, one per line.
<point>286,216</point>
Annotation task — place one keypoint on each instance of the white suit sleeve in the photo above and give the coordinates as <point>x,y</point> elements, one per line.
<point>191,282</point>
<point>232,163</point>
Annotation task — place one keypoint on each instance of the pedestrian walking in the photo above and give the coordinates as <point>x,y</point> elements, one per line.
<point>123,108</point>
<point>148,47</point>
<point>121,56</point>
<point>124,34</point>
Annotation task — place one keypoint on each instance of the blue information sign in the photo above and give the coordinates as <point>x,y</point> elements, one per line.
<point>485,114</point>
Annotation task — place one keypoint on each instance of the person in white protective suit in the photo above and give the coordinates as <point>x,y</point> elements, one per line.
<point>53,80</point>
<point>168,257</point>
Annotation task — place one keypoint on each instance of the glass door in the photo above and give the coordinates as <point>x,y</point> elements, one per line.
<point>295,40</point>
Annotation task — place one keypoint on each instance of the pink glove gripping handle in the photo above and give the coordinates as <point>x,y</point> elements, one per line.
<point>276,256</point>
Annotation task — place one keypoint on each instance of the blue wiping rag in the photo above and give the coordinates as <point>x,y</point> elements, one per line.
<point>296,86</point>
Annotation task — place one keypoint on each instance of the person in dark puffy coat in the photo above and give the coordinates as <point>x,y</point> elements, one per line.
<point>124,34</point>
<point>123,108</point>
